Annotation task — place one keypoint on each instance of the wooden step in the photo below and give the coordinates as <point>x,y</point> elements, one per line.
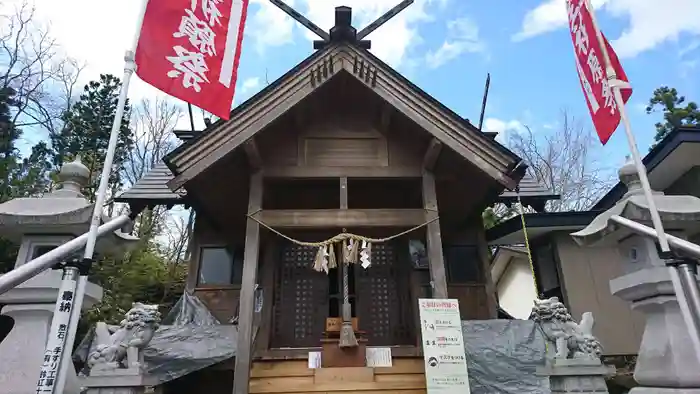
<point>406,376</point>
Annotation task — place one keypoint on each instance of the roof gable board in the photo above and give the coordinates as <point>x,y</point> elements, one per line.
<point>152,189</point>
<point>202,152</point>
<point>652,160</point>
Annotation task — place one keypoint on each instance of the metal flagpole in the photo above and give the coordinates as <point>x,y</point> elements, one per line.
<point>682,275</point>
<point>59,359</point>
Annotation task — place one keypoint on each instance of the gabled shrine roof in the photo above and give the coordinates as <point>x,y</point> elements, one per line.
<point>532,193</point>
<point>665,163</point>
<point>152,189</point>
<point>254,115</point>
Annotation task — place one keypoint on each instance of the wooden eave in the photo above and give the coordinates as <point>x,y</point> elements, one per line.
<point>194,157</point>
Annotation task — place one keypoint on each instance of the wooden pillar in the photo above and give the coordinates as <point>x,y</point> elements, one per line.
<point>433,237</point>
<point>485,257</point>
<point>241,374</point>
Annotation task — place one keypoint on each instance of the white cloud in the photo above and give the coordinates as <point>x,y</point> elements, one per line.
<point>546,17</point>
<point>462,37</point>
<point>390,42</point>
<point>250,84</point>
<point>694,45</point>
<point>689,57</point>
<point>100,42</point>
<point>638,106</point>
<point>688,67</point>
<point>268,26</point>
<point>504,128</point>
<point>651,22</point>
<point>654,22</point>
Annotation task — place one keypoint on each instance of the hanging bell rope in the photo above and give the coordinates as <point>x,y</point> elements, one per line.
<point>347,334</point>
<point>521,212</point>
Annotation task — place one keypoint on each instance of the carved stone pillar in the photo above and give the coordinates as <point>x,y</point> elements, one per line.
<point>666,362</point>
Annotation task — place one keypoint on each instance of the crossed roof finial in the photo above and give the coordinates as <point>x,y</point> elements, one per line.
<point>342,31</point>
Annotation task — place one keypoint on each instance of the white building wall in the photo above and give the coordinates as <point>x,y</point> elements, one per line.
<point>516,289</point>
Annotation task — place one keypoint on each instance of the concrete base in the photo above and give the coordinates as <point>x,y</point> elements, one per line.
<point>583,376</point>
<point>31,306</point>
<point>19,373</point>
<point>122,390</point>
<point>119,381</point>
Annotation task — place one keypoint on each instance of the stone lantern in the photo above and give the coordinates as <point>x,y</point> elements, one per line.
<point>666,361</point>
<point>38,225</point>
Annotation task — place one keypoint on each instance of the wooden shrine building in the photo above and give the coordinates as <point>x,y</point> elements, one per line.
<point>340,143</point>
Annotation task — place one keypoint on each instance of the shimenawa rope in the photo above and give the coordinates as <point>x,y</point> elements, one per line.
<point>344,236</point>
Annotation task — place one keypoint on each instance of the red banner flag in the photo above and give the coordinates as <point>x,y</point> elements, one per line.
<point>591,66</point>
<point>190,49</point>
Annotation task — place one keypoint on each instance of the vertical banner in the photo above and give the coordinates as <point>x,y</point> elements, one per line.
<point>443,346</point>
<point>190,49</point>
<point>590,65</point>
<point>56,342</point>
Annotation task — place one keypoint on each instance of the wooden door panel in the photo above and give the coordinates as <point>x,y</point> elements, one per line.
<point>383,298</point>
<point>300,300</point>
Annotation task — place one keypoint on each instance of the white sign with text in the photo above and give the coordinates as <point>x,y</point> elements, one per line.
<point>443,346</point>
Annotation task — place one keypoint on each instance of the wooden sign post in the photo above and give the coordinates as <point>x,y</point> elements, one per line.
<point>443,346</point>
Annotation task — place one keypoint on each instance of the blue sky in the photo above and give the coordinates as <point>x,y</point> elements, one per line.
<point>444,46</point>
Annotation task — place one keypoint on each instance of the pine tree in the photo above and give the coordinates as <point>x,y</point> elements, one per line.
<point>88,125</point>
<point>19,177</point>
<point>676,111</point>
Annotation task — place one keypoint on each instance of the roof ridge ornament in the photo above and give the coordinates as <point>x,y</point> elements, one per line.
<point>342,31</point>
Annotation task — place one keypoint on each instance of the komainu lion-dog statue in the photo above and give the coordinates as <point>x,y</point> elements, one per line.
<point>122,346</point>
<point>568,338</point>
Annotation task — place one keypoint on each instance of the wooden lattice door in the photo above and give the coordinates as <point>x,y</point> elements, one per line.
<point>383,298</point>
<point>301,299</point>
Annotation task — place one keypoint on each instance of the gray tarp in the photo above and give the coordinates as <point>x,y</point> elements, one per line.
<point>190,339</point>
<point>502,354</point>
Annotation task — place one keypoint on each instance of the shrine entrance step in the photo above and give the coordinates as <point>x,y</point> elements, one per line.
<point>407,376</point>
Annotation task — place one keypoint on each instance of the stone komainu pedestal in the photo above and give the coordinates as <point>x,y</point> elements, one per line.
<point>573,352</point>
<point>582,376</point>
<point>120,381</point>
<point>123,372</point>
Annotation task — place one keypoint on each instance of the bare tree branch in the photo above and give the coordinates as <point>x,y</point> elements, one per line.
<point>154,122</point>
<point>33,67</point>
<point>566,161</point>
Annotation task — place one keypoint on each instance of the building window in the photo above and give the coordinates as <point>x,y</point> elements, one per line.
<point>220,266</point>
<point>418,254</point>
<point>41,250</point>
<point>543,256</point>
<point>463,264</point>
